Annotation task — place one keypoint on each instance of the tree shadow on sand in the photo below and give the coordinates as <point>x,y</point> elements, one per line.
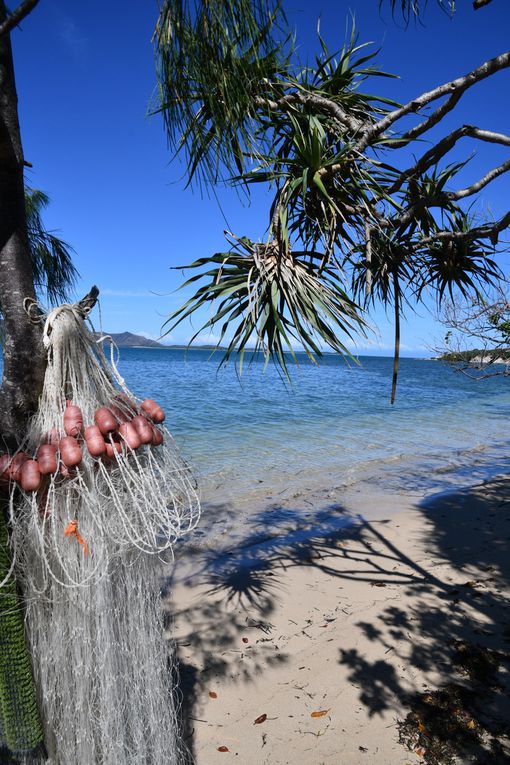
<point>457,578</point>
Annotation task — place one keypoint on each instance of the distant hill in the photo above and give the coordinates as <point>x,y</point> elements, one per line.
<point>129,340</point>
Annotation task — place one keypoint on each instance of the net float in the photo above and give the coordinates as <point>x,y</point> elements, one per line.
<point>30,476</point>
<point>73,420</point>
<point>157,437</point>
<point>143,428</point>
<point>47,459</point>
<point>152,410</point>
<point>105,420</point>
<point>112,449</point>
<point>126,404</point>
<point>70,451</point>
<point>15,466</point>
<point>129,433</point>
<point>94,440</point>
<point>119,414</point>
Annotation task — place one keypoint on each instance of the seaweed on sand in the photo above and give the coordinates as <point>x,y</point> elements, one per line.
<point>458,721</point>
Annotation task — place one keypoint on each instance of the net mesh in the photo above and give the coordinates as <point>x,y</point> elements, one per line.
<point>88,548</point>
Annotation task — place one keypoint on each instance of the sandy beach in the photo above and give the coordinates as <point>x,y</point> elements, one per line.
<point>309,646</point>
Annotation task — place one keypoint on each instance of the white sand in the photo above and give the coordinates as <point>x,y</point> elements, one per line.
<point>348,623</point>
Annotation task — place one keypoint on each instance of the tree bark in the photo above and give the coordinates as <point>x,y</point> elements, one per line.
<point>23,370</point>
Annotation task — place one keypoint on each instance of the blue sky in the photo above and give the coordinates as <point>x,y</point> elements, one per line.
<point>85,77</point>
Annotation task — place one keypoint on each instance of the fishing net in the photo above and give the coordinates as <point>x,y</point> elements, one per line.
<point>88,546</point>
<point>20,728</point>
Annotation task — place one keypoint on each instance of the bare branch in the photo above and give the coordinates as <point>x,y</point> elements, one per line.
<point>475,187</point>
<point>478,337</point>
<point>430,121</point>
<point>433,155</point>
<point>472,318</point>
<point>324,105</point>
<point>87,303</point>
<point>454,88</point>
<point>487,231</point>
<point>17,16</point>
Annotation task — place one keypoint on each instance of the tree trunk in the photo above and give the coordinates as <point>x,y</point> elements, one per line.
<point>23,354</point>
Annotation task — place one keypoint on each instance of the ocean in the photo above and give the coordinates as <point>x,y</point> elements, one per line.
<point>257,442</point>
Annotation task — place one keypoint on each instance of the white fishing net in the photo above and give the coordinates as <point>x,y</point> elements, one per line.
<point>88,547</point>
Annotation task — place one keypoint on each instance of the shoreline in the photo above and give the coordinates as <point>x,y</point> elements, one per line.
<point>236,510</point>
<point>346,619</point>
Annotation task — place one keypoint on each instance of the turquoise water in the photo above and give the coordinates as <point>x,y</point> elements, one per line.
<point>257,439</point>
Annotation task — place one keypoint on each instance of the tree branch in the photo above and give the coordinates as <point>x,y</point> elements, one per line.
<point>88,302</point>
<point>487,231</point>
<point>430,121</point>
<point>477,4</point>
<point>433,155</point>
<point>324,105</point>
<point>454,88</point>
<point>467,192</point>
<point>17,16</point>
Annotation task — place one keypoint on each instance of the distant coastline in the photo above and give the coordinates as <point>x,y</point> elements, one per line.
<point>478,356</point>
<point>130,340</point>
<point>161,347</point>
<point>139,342</point>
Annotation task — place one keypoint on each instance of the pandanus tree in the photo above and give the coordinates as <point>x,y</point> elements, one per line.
<point>351,222</point>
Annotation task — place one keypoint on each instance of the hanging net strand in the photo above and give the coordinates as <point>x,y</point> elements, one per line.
<point>105,496</point>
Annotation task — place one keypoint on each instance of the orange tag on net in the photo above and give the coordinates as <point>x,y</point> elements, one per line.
<point>71,530</point>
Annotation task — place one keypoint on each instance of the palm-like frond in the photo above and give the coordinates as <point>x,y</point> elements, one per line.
<point>340,74</point>
<point>272,302</point>
<point>415,8</point>
<point>428,193</point>
<point>390,271</point>
<point>53,269</point>
<point>460,265</point>
<point>390,257</point>
<point>320,188</point>
<point>213,59</point>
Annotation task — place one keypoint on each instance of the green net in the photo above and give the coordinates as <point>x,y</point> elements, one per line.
<point>20,726</point>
